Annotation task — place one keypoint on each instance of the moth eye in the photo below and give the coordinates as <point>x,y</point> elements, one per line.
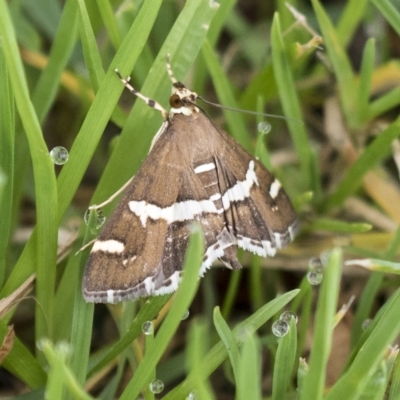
<point>175,101</point>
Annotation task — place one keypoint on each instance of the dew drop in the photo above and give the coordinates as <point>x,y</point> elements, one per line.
<point>147,328</point>
<point>185,315</point>
<point>314,276</point>
<point>192,395</point>
<point>3,178</point>
<point>366,324</point>
<point>324,257</point>
<point>280,328</point>
<point>314,263</point>
<point>315,271</point>
<point>287,316</point>
<point>59,155</point>
<point>101,218</point>
<point>156,386</point>
<point>264,128</point>
<point>41,343</point>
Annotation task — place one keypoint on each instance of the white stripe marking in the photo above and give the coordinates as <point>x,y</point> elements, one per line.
<point>274,188</point>
<point>110,296</point>
<point>215,197</point>
<point>108,246</point>
<point>189,209</point>
<point>242,188</point>
<point>204,168</point>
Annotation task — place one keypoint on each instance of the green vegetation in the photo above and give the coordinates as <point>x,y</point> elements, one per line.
<point>334,76</point>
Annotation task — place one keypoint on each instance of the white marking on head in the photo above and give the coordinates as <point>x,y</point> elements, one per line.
<point>108,246</point>
<point>275,188</point>
<point>204,168</point>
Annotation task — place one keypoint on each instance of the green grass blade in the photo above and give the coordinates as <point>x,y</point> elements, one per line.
<point>197,347</point>
<point>290,103</point>
<point>81,328</point>
<point>7,145</point>
<point>384,103</point>
<point>284,362</point>
<point>235,121</point>
<point>374,153</point>
<point>328,224</point>
<point>89,45</point>
<point>109,21</point>
<point>314,382</point>
<point>21,363</point>
<point>364,87</point>
<point>390,12</point>
<point>89,135</point>
<point>350,20</point>
<point>181,303</point>
<point>370,355</point>
<point>218,353</point>
<point>44,256</point>
<point>364,308</point>
<point>59,374</point>
<point>340,63</point>
<point>148,312</point>
<point>248,381</point>
<point>62,47</point>
<point>229,341</point>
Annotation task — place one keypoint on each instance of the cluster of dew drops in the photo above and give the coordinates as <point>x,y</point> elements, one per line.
<point>314,276</point>
<point>157,386</point>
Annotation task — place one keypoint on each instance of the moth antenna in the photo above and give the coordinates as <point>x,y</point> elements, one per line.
<point>248,111</point>
<point>150,102</point>
<point>169,70</point>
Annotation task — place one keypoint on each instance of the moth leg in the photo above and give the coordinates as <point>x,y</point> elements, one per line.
<point>151,103</point>
<point>111,198</point>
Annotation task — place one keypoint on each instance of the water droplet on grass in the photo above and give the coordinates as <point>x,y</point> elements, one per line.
<point>59,155</point>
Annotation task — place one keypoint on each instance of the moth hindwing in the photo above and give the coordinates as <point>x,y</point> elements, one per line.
<point>193,172</point>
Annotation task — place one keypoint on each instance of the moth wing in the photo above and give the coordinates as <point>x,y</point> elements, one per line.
<point>125,261</point>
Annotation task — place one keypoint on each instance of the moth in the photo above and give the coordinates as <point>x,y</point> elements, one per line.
<point>194,172</point>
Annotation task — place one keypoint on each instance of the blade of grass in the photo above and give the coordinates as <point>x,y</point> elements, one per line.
<point>196,349</point>
<point>339,226</point>
<point>341,65</point>
<point>288,97</point>
<point>183,299</point>
<point>364,87</point>
<point>374,153</point>
<point>284,362</point>
<point>390,13</point>
<point>235,121</point>
<point>314,381</point>
<point>21,363</point>
<point>229,341</point>
<point>62,47</point>
<point>60,374</point>
<point>349,21</point>
<point>108,17</point>
<point>45,245</point>
<point>89,135</point>
<point>218,353</point>
<point>7,144</point>
<point>148,312</point>
<point>360,371</point>
<point>248,381</point>
<point>81,328</point>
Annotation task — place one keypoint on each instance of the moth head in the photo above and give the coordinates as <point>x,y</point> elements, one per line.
<point>183,100</point>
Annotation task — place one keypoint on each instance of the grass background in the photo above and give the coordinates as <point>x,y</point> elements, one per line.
<point>334,76</point>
